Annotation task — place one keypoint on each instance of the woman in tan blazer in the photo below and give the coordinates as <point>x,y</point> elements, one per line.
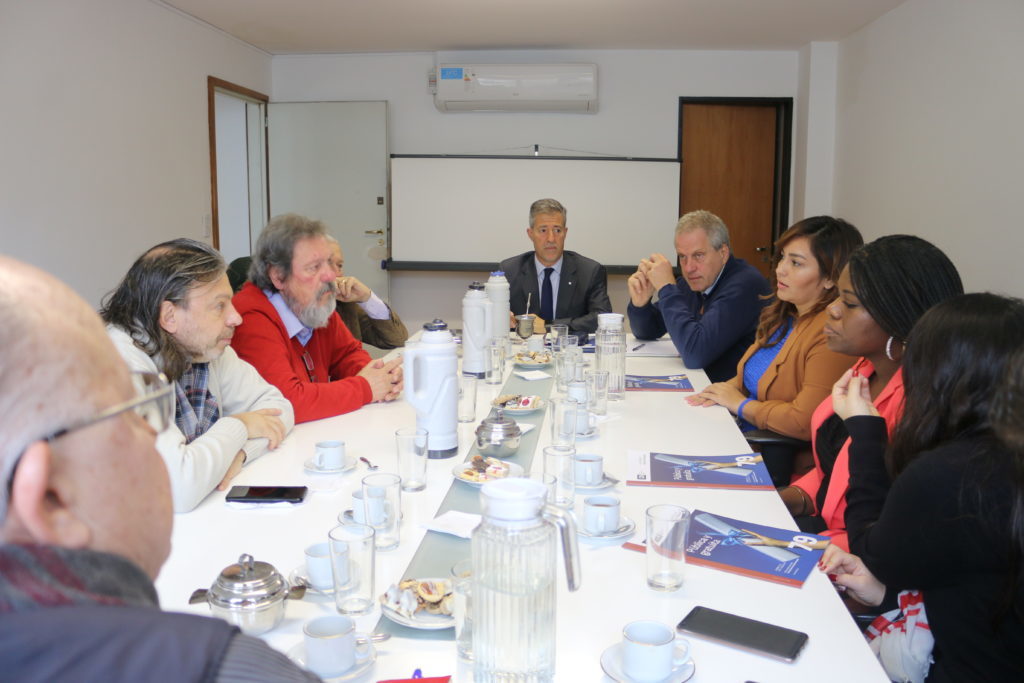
<point>789,369</point>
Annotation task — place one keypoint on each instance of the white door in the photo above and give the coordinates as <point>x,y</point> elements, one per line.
<point>329,160</point>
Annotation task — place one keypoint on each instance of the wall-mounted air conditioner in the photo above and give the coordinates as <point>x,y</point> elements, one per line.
<point>516,87</point>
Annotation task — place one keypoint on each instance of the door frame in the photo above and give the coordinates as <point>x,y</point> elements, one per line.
<point>783,149</point>
<point>214,85</point>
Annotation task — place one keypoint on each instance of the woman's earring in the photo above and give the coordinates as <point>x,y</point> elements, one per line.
<point>888,349</point>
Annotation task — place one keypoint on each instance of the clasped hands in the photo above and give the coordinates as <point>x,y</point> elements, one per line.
<point>385,378</point>
<point>651,275</point>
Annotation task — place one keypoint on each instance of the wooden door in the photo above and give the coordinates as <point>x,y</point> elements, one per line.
<point>735,164</point>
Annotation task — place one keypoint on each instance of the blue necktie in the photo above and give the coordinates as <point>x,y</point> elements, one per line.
<point>547,308</point>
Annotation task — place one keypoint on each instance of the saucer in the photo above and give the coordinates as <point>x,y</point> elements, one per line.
<point>626,528</point>
<point>587,434</point>
<point>347,518</point>
<point>603,484</point>
<point>611,663</point>
<point>298,577</point>
<point>312,467</point>
<point>363,664</point>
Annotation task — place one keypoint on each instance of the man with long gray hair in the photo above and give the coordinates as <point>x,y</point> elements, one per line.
<point>711,312</point>
<point>291,333</point>
<point>85,509</point>
<point>172,313</point>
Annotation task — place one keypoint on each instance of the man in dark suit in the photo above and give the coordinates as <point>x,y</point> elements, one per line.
<point>564,287</point>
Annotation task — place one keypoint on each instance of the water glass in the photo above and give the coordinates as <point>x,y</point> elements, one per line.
<point>570,367</point>
<point>597,391</point>
<point>382,505</point>
<point>352,563</point>
<point>667,526</point>
<point>562,413</point>
<point>462,589</point>
<point>561,464</point>
<point>467,397</point>
<point>495,361</point>
<point>548,481</point>
<point>558,332</point>
<point>411,447</point>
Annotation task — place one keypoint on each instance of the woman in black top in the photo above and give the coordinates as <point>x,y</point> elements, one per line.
<point>941,510</point>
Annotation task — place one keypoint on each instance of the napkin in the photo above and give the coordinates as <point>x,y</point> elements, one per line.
<point>531,375</point>
<point>453,522</point>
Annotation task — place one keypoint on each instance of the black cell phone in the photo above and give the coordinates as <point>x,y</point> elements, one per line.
<point>266,494</point>
<point>746,634</point>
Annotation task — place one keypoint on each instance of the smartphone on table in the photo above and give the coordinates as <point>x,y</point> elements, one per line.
<point>266,494</point>
<point>743,633</point>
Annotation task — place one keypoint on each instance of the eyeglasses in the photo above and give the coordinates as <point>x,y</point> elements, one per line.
<point>153,402</point>
<point>310,370</point>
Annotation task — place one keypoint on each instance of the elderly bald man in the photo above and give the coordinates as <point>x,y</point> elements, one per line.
<point>85,509</point>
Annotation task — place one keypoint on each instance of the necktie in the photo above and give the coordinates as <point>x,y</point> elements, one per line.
<point>547,308</point>
<point>197,408</point>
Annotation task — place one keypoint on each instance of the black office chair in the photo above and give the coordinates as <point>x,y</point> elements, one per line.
<point>778,452</point>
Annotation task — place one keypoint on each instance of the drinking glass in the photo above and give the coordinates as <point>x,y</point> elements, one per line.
<point>462,608</point>
<point>467,397</point>
<point>597,391</point>
<point>352,563</point>
<point>562,416</point>
<point>560,462</point>
<point>382,504</point>
<point>411,448</point>
<point>667,526</point>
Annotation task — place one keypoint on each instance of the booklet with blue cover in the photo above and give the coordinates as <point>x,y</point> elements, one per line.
<point>658,383</point>
<point>755,550</point>
<point>743,471</point>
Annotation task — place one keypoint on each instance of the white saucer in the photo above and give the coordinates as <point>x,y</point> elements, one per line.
<point>363,664</point>
<point>298,576</point>
<point>626,528</point>
<point>604,483</point>
<point>420,620</point>
<point>312,467</point>
<point>611,663</point>
<point>587,434</point>
<point>514,470</point>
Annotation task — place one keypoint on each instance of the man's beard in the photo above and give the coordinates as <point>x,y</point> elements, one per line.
<point>314,315</point>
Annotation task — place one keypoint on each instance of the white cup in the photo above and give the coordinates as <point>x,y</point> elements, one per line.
<point>330,455</point>
<point>651,650</point>
<point>358,509</point>
<point>318,566</point>
<point>601,514</point>
<point>535,343</point>
<point>330,645</point>
<point>589,469</point>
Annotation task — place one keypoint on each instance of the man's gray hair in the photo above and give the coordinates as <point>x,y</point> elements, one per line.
<point>713,226</point>
<point>167,272</point>
<point>276,246</point>
<point>547,206</point>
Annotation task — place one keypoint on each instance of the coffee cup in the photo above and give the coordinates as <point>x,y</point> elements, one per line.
<point>589,469</point>
<point>330,645</point>
<point>330,455</point>
<point>651,651</point>
<point>318,566</point>
<point>535,343</point>
<point>358,509</point>
<point>601,514</point>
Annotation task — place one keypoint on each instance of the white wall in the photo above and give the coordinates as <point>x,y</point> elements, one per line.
<point>815,128</point>
<point>638,116</point>
<point>104,133</point>
<point>929,135</point>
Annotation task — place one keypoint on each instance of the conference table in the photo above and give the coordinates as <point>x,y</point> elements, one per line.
<point>613,592</point>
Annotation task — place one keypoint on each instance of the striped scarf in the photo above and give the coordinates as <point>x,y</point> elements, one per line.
<point>196,408</point>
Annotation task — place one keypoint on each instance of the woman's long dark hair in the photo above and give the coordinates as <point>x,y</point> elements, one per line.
<point>899,277</point>
<point>832,241</point>
<point>1007,418</point>
<point>956,355</point>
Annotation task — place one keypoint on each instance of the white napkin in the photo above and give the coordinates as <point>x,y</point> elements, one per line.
<point>531,375</point>
<point>525,427</point>
<point>453,522</point>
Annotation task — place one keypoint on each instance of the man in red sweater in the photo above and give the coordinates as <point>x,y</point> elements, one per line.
<point>291,334</point>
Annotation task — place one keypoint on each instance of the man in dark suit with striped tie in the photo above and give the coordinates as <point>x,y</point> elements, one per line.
<point>563,287</point>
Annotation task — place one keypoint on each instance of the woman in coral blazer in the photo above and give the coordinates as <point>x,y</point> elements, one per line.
<point>887,286</point>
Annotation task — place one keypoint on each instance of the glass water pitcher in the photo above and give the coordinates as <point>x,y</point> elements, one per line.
<point>514,564</point>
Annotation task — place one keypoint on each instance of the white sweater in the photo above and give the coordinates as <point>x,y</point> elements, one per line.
<point>196,468</point>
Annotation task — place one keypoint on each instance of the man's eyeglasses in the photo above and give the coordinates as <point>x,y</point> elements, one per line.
<point>153,402</point>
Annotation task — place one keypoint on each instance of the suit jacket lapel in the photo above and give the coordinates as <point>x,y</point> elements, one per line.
<point>567,283</point>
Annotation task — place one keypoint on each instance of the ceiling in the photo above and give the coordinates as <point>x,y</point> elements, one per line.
<point>345,26</point>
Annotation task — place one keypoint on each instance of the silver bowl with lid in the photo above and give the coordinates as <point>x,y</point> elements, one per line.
<point>498,436</point>
<point>250,595</point>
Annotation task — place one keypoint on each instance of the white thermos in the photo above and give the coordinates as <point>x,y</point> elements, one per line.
<point>477,328</point>
<point>430,367</point>
<point>498,292</point>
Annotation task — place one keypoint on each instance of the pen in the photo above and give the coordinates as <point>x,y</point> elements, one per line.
<point>639,346</point>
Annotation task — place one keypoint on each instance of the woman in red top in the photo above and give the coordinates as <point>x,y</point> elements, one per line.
<point>887,285</point>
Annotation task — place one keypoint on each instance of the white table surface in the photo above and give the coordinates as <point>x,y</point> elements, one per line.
<point>613,590</point>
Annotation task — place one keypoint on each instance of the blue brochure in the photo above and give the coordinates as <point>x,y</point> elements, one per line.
<point>743,471</point>
<point>658,383</point>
